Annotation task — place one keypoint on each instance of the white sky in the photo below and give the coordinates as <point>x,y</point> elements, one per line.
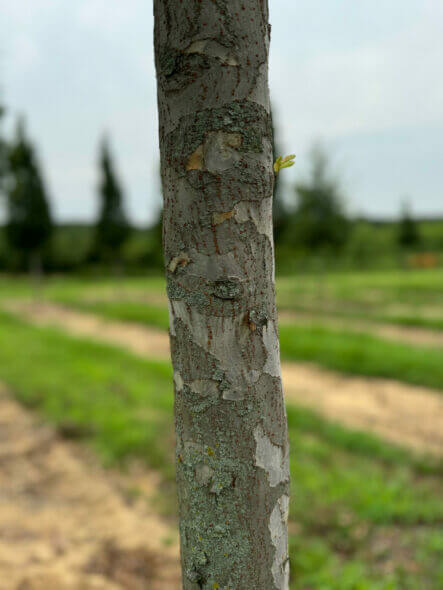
<point>363,76</point>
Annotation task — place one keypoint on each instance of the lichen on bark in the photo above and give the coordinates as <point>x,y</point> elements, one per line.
<point>217,176</point>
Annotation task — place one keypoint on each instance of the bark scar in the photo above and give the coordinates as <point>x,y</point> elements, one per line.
<point>211,48</point>
<point>218,218</point>
<point>181,261</point>
<point>195,160</point>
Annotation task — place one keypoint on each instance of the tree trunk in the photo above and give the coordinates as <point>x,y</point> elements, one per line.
<point>216,157</point>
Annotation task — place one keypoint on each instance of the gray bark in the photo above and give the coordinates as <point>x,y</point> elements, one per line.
<point>217,176</point>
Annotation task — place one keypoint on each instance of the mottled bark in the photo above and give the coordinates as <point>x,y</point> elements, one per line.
<point>216,157</point>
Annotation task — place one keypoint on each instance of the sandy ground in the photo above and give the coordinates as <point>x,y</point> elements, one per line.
<point>65,524</point>
<point>409,415</point>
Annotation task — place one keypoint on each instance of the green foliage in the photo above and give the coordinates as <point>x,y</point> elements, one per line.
<point>3,153</point>
<point>408,232</point>
<point>369,245</point>
<point>319,221</point>
<point>29,220</point>
<point>284,162</point>
<point>112,229</point>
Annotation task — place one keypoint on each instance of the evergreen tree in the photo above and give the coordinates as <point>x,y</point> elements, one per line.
<point>408,233</point>
<point>29,219</point>
<point>113,227</point>
<point>319,221</point>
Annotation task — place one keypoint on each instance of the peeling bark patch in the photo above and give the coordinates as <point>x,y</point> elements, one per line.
<point>279,538</point>
<point>233,395</point>
<point>217,153</point>
<point>270,341</point>
<point>260,215</point>
<point>195,160</point>
<point>204,474</point>
<point>181,261</point>
<point>171,319</point>
<point>218,218</point>
<point>178,381</point>
<point>196,46</point>
<point>211,48</point>
<point>271,458</point>
<point>221,150</point>
<point>250,120</point>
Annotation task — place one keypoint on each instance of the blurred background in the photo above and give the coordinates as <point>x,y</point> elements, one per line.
<point>86,456</point>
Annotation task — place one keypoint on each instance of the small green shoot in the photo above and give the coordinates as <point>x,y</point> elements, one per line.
<point>285,162</point>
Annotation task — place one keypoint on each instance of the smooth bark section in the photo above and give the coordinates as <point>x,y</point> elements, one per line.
<point>216,158</point>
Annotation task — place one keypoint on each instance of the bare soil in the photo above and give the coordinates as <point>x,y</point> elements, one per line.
<point>65,524</point>
<point>408,415</point>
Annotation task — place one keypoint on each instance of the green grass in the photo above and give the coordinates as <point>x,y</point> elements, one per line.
<point>399,297</point>
<point>72,287</point>
<point>364,515</point>
<point>345,351</point>
<point>98,389</point>
<point>415,322</point>
<point>143,301</point>
<point>409,316</point>
<point>413,297</point>
<point>155,316</point>
<point>362,354</point>
<point>403,284</point>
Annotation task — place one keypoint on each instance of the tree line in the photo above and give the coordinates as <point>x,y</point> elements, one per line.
<point>29,220</point>
<point>311,221</point>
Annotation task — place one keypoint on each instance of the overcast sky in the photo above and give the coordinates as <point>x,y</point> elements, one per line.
<point>364,77</point>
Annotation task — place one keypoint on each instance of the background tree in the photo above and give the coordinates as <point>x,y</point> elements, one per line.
<point>319,221</point>
<point>280,210</point>
<point>408,234</point>
<point>217,173</point>
<point>3,153</point>
<point>112,228</point>
<point>28,214</point>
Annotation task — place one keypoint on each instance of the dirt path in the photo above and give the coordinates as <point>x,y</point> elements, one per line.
<point>66,525</point>
<point>405,334</point>
<point>408,415</point>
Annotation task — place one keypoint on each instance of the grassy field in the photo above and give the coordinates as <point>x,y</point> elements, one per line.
<point>364,514</point>
<point>402,297</point>
<point>362,354</point>
<point>334,348</point>
<point>144,301</point>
